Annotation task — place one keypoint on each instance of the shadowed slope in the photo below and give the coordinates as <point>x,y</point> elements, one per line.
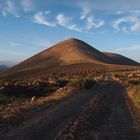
<point>70,52</point>
<point>119,59</point>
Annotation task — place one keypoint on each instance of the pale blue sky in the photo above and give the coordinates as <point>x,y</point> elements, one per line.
<point>30,26</point>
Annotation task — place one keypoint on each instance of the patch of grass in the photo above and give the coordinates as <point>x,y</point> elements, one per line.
<point>82,83</point>
<point>20,90</point>
<point>135,94</point>
<point>10,100</point>
<point>133,82</point>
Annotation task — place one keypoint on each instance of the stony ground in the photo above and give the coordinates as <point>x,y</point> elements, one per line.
<point>105,112</point>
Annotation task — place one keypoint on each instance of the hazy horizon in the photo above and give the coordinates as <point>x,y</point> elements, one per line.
<point>30,26</point>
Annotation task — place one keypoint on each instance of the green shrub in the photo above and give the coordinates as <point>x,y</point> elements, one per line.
<point>61,82</point>
<point>10,100</point>
<point>82,83</point>
<point>133,82</point>
<point>137,92</point>
<point>20,90</point>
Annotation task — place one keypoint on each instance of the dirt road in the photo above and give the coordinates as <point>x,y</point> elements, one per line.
<point>101,113</point>
<point>46,123</point>
<point>106,118</point>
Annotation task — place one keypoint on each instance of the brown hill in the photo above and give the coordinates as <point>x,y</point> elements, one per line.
<point>121,60</point>
<point>70,51</point>
<point>67,56</point>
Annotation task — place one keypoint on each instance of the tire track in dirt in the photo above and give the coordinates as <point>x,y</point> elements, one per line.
<point>107,118</point>
<point>50,122</point>
<point>102,113</point>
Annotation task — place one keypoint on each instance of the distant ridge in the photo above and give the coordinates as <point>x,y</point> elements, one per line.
<point>119,59</point>
<point>3,67</point>
<point>71,52</point>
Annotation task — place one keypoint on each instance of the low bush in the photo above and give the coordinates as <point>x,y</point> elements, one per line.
<point>134,82</point>
<point>10,100</point>
<point>82,83</point>
<point>137,92</point>
<point>134,93</point>
<point>61,82</point>
<point>20,90</point>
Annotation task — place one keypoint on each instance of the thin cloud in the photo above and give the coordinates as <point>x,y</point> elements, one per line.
<point>47,12</point>
<point>92,23</point>
<point>9,7</point>
<point>135,12</point>
<point>27,5</point>
<point>116,23</point>
<point>13,44</point>
<point>110,5</point>
<point>41,19</point>
<point>119,12</point>
<point>84,13</point>
<point>132,20</point>
<point>86,9</point>
<point>45,43</point>
<point>132,48</point>
<point>67,23</point>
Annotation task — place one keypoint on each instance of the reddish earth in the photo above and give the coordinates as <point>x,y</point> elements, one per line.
<point>103,113</point>
<point>65,58</point>
<point>119,59</point>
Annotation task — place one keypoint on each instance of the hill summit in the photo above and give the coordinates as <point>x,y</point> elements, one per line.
<point>66,53</point>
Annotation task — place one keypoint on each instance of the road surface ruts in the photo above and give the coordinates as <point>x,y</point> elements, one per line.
<point>110,120</point>
<point>101,113</point>
<point>50,121</point>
